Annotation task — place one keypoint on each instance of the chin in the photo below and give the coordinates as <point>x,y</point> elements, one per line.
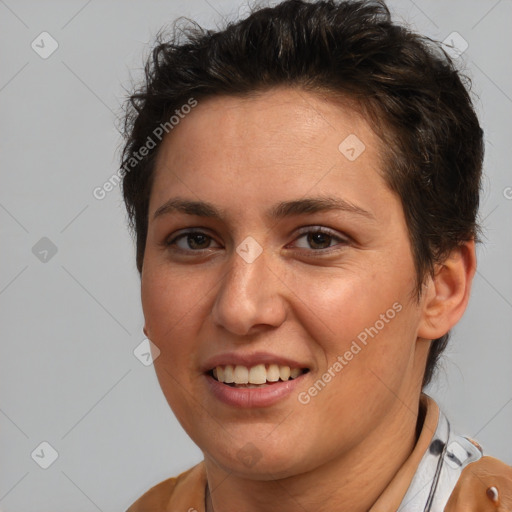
<point>258,464</point>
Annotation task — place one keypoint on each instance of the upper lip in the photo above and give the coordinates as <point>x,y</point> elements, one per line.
<point>248,360</point>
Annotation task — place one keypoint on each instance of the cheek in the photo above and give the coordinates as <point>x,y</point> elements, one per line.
<point>168,299</point>
<point>175,305</point>
<point>165,309</point>
<point>379,354</point>
<point>171,311</point>
<point>346,302</point>
<point>365,317</point>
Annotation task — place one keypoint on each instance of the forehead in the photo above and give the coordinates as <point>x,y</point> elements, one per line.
<point>285,142</point>
<point>287,120</point>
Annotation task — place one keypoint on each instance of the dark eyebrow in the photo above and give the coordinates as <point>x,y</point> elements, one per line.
<point>314,205</point>
<point>279,211</point>
<point>199,208</point>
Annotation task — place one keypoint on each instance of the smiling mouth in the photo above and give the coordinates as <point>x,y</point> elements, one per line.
<point>256,376</point>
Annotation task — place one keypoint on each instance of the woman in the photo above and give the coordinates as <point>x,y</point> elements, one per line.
<point>303,187</point>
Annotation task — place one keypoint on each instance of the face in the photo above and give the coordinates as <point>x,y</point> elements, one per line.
<point>274,244</point>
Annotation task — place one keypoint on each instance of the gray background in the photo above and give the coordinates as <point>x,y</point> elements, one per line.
<point>70,324</point>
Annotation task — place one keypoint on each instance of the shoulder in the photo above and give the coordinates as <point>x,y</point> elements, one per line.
<point>465,479</point>
<point>189,485</point>
<point>156,498</point>
<point>486,483</point>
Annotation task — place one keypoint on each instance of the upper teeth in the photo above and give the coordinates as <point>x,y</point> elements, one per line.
<point>259,374</point>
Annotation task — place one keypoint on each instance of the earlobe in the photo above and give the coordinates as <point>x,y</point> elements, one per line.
<point>145,331</point>
<point>446,294</point>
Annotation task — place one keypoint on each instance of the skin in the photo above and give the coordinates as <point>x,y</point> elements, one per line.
<point>298,299</point>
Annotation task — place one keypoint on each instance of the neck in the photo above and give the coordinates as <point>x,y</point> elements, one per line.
<point>353,481</point>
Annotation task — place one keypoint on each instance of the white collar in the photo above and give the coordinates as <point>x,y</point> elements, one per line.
<point>439,469</point>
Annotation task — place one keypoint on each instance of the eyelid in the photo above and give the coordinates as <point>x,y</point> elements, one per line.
<point>327,231</point>
<point>320,228</point>
<point>181,233</point>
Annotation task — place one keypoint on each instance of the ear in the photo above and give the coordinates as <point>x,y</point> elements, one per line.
<point>145,331</point>
<point>446,294</point>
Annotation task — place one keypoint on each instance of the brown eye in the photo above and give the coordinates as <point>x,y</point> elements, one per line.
<point>190,241</point>
<point>198,241</point>
<point>319,239</point>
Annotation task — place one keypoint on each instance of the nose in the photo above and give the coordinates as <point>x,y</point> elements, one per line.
<point>250,297</point>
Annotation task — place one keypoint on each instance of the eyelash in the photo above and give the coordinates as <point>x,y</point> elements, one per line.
<point>303,232</point>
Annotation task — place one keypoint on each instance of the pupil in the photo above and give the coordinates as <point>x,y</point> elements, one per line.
<point>196,240</point>
<point>316,239</point>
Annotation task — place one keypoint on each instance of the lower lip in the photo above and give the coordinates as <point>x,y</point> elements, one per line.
<point>253,397</point>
